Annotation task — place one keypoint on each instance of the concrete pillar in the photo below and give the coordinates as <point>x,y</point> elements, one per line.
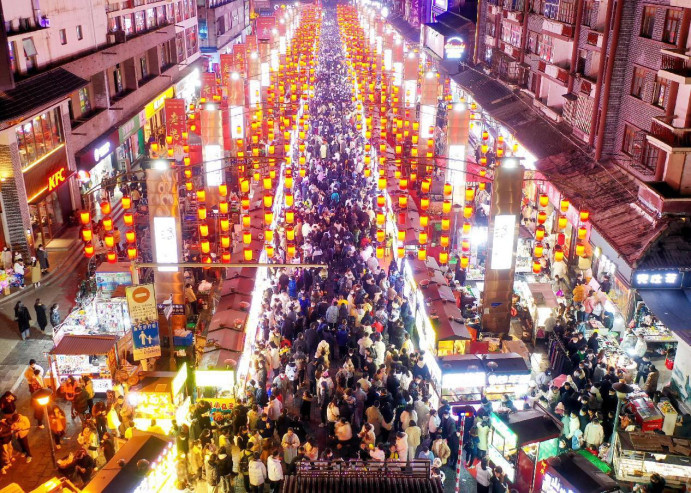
<point>502,240</point>
<point>101,91</point>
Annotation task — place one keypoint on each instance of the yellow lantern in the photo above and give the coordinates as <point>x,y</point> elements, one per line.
<point>562,222</point>
<point>289,200</point>
<point>537,268</point>
<point>466,228</point>
<point>446,206</point>
<point>582,233</point>
<point>381,235</point>
<point>465,261</point>
<point>538,251</point>
<point>248,254</point>
<point>203,230</point>
<point>225,241</point>
<point>290,234</point>
<point>422,254</point>
<point>558,254</point>
<point>403,201</point>
<point>247,237</point>
<point>445,224</point>
<point>443,257</point>
<point>246,221</point>
<point>381,219</point>
<point>424,203</point>
<point>401,252</point>
<point>444,240</point>
<point>564,205</point>
<point>469,194</point>
<point>268,201</point>
<point>268,218</point>
<point>448,189</point>
<point>580,249</point>
<point>424,220</point>
<point>467,211</point>
<point>423,238</point>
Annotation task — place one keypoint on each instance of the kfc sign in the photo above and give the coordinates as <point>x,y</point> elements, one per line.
<point>57,179</point>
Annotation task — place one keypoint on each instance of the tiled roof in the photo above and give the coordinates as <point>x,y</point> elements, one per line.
<point>672,248</point>
<point>411,34</point>
<point>75,344</point>
<point>33,94</point>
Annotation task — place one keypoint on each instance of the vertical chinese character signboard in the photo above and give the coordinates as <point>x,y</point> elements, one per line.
<point>264,25</point>
<point>141,302</point>
<point>208,86</point>
<point>175,119</point>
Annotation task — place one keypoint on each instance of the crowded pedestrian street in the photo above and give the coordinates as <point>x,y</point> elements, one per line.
<point>332,256</point>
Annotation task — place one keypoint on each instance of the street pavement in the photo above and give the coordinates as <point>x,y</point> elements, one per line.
<point>15,354</point>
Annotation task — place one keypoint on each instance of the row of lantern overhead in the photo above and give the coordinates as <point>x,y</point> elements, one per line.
<point>295,88</point>
<point>559,227</point>
<point>403,131</point>
<point>109,238</point>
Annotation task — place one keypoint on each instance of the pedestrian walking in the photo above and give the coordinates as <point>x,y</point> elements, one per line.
<point>41,315</point>
<point>23,318</point>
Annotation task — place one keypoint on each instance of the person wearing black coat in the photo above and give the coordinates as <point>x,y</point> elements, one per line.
<point>41,315</point>
<point>23,317</point>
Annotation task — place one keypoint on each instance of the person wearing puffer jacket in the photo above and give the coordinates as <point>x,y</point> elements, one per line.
<point>257,473</point>
<point>594,435</point>
<point>275,472</point>
<point>441,450</point>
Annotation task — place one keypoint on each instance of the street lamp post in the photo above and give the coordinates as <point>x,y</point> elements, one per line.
<point>42,398</point>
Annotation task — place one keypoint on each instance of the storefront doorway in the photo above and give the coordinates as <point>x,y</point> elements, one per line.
<point>47,218</point>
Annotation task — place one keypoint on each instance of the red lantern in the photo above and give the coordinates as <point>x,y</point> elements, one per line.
<point>107,224</point>
<point>585,216</point>
<point>128,218</point>
<point>558,254</point>
<point>87,235</point>
<point>225,241</point>
<point>465,261</point>
<point>105,207</point>
<point>223,207</point>
<point>540,233</point>
<point>203,230</point>
<point>85,217</point>
<point>541,217</point>
<point>201,195</point>
<point>537,268</point>
<point>130,236</point>
<point>538,251</point>
<point>205,246</point>
<point>88,250</point>
<point>561,239</point>
<point>201,213</point>
<point>543,200</point>
<point>126,202</point>
<point>132,253</point>
<point>112,257</point>
<point>582,233</point>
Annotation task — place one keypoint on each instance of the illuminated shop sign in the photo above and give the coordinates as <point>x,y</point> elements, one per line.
<point>57,179</point>
<point>656,279</point>
<point>454,48</point>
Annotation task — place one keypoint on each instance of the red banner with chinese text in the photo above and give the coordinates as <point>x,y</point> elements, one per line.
<point>226,68</point>
<point>208,90</point>
<point>239,58</point>
<point>175,119</point>
<point>263,27</point>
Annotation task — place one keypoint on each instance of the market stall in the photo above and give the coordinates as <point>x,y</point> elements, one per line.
<point>462,379</point>
<point>519,441</point>
<point>647,416</point>
<point>574,473</point>
<point>109,276</point>
<point>217,387</point>
<point>160,475</point>
<point>95,356</point>
<point>638,455</point>
<point>507,373</point>
<point>160,395</point>
<point>100,315</point>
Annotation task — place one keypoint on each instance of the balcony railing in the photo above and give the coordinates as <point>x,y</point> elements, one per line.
<point>676,62</point>
<point>668,134</point>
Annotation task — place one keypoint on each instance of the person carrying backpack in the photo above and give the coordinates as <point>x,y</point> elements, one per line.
<point>244,466</point>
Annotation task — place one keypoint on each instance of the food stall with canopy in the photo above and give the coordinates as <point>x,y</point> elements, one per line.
<point>637,455</point>
<point>647,416</point>
<point>574,473</point>
<point>100,314</point>
<point>507,373</point>
<point>519,441</point>
<point>159,475</point>
<point>446,318</point>
<point>217,387</point>
<point>95,356</point>
<point>462,379</point>
<point>160,395</point>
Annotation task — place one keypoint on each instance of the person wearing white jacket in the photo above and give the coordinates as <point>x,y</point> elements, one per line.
<point>257,473</point>
<point>275,472</point>
<point>594,435</point>
<point>402,445</point>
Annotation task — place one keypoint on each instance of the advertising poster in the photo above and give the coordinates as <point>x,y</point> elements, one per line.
<point>175,119</point>
<point>141,302</point>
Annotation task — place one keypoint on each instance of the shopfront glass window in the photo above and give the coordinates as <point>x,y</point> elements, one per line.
<point>38,137</point>
<point>139,22</point>
<point>150,18</point>
<point>84,101</point>
<point>128,24</point>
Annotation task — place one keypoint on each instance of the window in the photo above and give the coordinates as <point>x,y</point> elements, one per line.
<point>672,22</point>
<point>511,33</point>
<point>128,23</point>
<point>84,101</point>
<point>80,32</point>
<point>30,53</point>
<point>638,82</point>
<point>220,26</point>
<point>551,9</point>
<point>150,18</point>
<point>12,45</point>
<point>139,21</point>
<point>567,11</point>
<point>650,156</point>
<point>628,143</point>
<point>648,22</point>
<point>117,79</point>
<point>588,10</point>
<point>38,137</point>
<point>545,47</point>
<point>144,67</point>
<point>114,24</point>
<point>661,91</point>
<point>63,37</point>
<point>532,42</point>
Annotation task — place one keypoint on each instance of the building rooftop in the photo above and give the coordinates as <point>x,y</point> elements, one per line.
<point>32,95</point>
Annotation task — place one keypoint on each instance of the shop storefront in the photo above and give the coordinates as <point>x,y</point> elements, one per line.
<point>77,356</point>
<point>98,161</point>
<point>575,471</point>
<point>131,137</point>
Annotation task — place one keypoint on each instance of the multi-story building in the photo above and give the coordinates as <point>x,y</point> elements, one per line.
<point>84,84</point>
<point>615,75</point>
<point>221,24</point>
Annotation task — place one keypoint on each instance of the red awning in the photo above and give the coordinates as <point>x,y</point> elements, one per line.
<point>86,344</point>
